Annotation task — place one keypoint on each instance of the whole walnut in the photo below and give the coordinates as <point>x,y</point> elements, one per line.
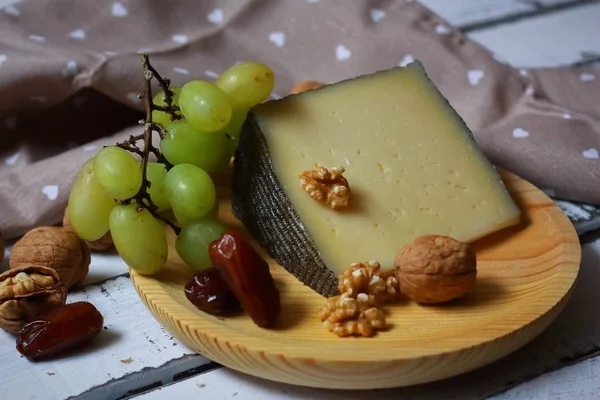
<point>435,269</point>
<point>105,243</point>
<point>56,248</point>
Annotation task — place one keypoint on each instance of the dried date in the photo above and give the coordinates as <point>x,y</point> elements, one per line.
<point>248,277</point>
<point>210,293</point>
<point>64,328</point>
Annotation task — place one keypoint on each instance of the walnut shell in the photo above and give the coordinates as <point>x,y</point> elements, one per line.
<point>2,247</point>
<point>56,248</point>
<point>436,269</point>
<point>105,243</point>
<point>26,293</point>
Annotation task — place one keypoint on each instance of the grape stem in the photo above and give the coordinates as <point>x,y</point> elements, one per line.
<point>164,84</point>
<point>142,197</point>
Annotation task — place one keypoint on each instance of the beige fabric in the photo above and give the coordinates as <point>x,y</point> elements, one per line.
<point>69,74</point>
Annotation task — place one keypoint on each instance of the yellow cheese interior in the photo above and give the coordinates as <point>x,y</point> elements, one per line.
<point>410,161</point>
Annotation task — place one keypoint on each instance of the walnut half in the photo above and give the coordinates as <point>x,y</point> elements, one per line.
<point>345,315</point>
<point>26,292</point>
<point>328,186</point>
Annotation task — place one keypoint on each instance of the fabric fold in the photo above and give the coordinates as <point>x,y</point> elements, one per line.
<point>69,83</point>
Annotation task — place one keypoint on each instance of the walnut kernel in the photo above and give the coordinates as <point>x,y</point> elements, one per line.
<point>355,311</point>
<point>436,269</point>
<point>56,248</point>
<point>345,315</point>
<point>328,186</point>
<point>105,243</point>
<point>366,277</point>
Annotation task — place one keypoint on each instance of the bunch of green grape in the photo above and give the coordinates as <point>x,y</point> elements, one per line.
<point>198,144</point>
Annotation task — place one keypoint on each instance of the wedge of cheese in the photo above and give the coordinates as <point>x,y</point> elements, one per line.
<point>412,164</point>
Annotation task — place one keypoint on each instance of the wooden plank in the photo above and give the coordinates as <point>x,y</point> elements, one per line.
<point>546,41</point>
<point>467,14</point>
<point>574,334</point>
<point>131,342</point>
<point>579,381</point>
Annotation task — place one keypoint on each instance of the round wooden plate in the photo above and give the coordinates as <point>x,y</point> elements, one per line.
<point>526,274</point>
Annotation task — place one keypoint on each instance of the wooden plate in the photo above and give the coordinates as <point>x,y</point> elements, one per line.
<point>526,274</point>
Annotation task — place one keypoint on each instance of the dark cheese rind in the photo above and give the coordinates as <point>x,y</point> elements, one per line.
<point>263,207</point>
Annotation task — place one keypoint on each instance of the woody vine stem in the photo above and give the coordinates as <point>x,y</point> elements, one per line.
<point>142,197</point>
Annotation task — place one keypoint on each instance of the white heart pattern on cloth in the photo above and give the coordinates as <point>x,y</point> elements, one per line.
<point>520,133</point>
<point>587,77</point>
<point>406,60</point>
<point>119,10</point>
<point>134,97</point>
<point>475,75</point>
<point>77,34</point>
<point>12,160</point>
<point>181,70</point>
<point>442,29</point>
<point>11,10</point>
<point>342,53</point>
<point>591,154</point>
<point>51,192</point>
<point>377,14</point>
<point>37,38</point>
<point>216,16</point>
<point>70,69</point>
<point>277,38</point>
<point>180,39</point>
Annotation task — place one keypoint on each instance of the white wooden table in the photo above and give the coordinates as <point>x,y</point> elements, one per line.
<point>136,358</point>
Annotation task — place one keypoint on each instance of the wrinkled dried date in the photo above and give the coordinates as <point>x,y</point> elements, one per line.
<point>210,293</point>
<point>63,328</point>
<point>248,277</point>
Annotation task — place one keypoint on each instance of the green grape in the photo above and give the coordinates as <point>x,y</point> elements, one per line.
<point>205,106</point>
<point>89,206</point>
<point>161,117</point>
<point>156,172</point>
<point>184,144</point>
<point>139,238</point>
<point>193,240</point>
<point>247,84</point>
<point>213,213</point>
<point>191,192</point>
<point>238,117</point>
<point>119,173</point>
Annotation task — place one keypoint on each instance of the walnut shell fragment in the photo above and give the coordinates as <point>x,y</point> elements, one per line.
<point>2,247</point>
<point>26,293</point>
<point>436,269</point>
<point>105,243</point>
<point>56,248</point>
